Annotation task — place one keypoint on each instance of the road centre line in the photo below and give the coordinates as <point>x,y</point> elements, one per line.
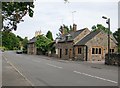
<point>95,77</point>
<point>36,61</point>
<point>54,65</point>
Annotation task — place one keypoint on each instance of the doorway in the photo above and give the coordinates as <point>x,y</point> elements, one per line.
<point>70,53</point>
<point>60,53</point>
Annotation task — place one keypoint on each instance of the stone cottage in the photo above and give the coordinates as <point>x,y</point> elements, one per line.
<point>84,45</point>
<point>94,46</point>
<point>31,48</point>
<point>65,45</point>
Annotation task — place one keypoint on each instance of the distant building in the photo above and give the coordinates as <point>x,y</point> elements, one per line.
<point>37,33</point>
<point>84,45</point>
<point>32,49</point>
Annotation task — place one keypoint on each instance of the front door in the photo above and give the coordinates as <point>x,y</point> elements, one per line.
<point>60,53</point>
<point>70,53</point>
<point>86,52</point>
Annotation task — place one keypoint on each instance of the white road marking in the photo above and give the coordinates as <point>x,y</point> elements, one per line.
<point>95,77</point>
<point>19,72</point>
<point>36,61</point>
<point>53,65</point>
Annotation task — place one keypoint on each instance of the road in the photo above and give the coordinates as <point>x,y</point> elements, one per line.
<point>45,71</point>
<point>0,68</point>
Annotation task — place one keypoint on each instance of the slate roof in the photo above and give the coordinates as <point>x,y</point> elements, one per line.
<point>72,35</point>
<point>88,37</point>
<point>32,40</point>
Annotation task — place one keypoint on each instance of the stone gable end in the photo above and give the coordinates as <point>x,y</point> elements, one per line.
<point>81,35</point>
<point>100,41</point>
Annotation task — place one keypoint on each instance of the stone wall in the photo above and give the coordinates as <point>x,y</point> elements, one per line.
<point>81,56</point>
<point>100,41</point>
<point>31,49</point>
<point>63,46</point>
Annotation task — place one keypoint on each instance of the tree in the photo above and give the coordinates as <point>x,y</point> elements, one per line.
<point>13,13</point>
<point>42,43</point>
<point>49,35</point>
<point>100,27</point>
<point>64,30</point>
<point>116,34</point>
<point>21,39</point>
<point>24,43</point>
<point>9,40</point>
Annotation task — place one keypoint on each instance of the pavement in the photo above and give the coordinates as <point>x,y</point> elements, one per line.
<point>45,71</point>
<point>11,77</point>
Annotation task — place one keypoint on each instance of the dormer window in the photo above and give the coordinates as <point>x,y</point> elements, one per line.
<point>68,37</point>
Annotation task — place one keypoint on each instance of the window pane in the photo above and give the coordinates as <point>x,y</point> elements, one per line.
<point>99,50</point>
<point>96,50</point>
<point>93,50</point>
<point>78,50</point>
<point>112,50</point>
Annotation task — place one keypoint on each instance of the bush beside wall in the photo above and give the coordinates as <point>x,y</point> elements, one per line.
<point>113,60</point>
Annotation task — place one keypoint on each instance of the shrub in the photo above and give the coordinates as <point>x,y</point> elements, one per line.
<point>113,60</point>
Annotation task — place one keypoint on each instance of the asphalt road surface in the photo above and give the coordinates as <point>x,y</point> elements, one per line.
<point>0,68</point>
<point>45,71</point>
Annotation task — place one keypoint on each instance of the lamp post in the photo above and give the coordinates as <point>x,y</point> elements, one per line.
<point>73,16</point>
<point>108,22</point>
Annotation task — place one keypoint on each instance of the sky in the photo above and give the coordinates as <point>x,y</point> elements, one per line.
<point>51,14</point>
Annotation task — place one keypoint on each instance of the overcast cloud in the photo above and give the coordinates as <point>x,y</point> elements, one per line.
<point>50,15</point>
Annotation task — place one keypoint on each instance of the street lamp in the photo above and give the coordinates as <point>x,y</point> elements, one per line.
<point>108,22</point>
<point>73,16</point>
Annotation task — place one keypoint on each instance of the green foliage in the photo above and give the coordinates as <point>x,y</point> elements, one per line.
<point>20,39</point>
<point>116,34</point>
<point>49,35</point>
<point>24,43</point>
<point>43,43</point>
<point>64,30</point>
<point>9,40</point>
<point>51,47</point>
<point>13,13</point>
<point>100,27</point>
<point>12,42</point>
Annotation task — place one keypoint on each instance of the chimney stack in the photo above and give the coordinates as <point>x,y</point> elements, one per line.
<point>74,27</point>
